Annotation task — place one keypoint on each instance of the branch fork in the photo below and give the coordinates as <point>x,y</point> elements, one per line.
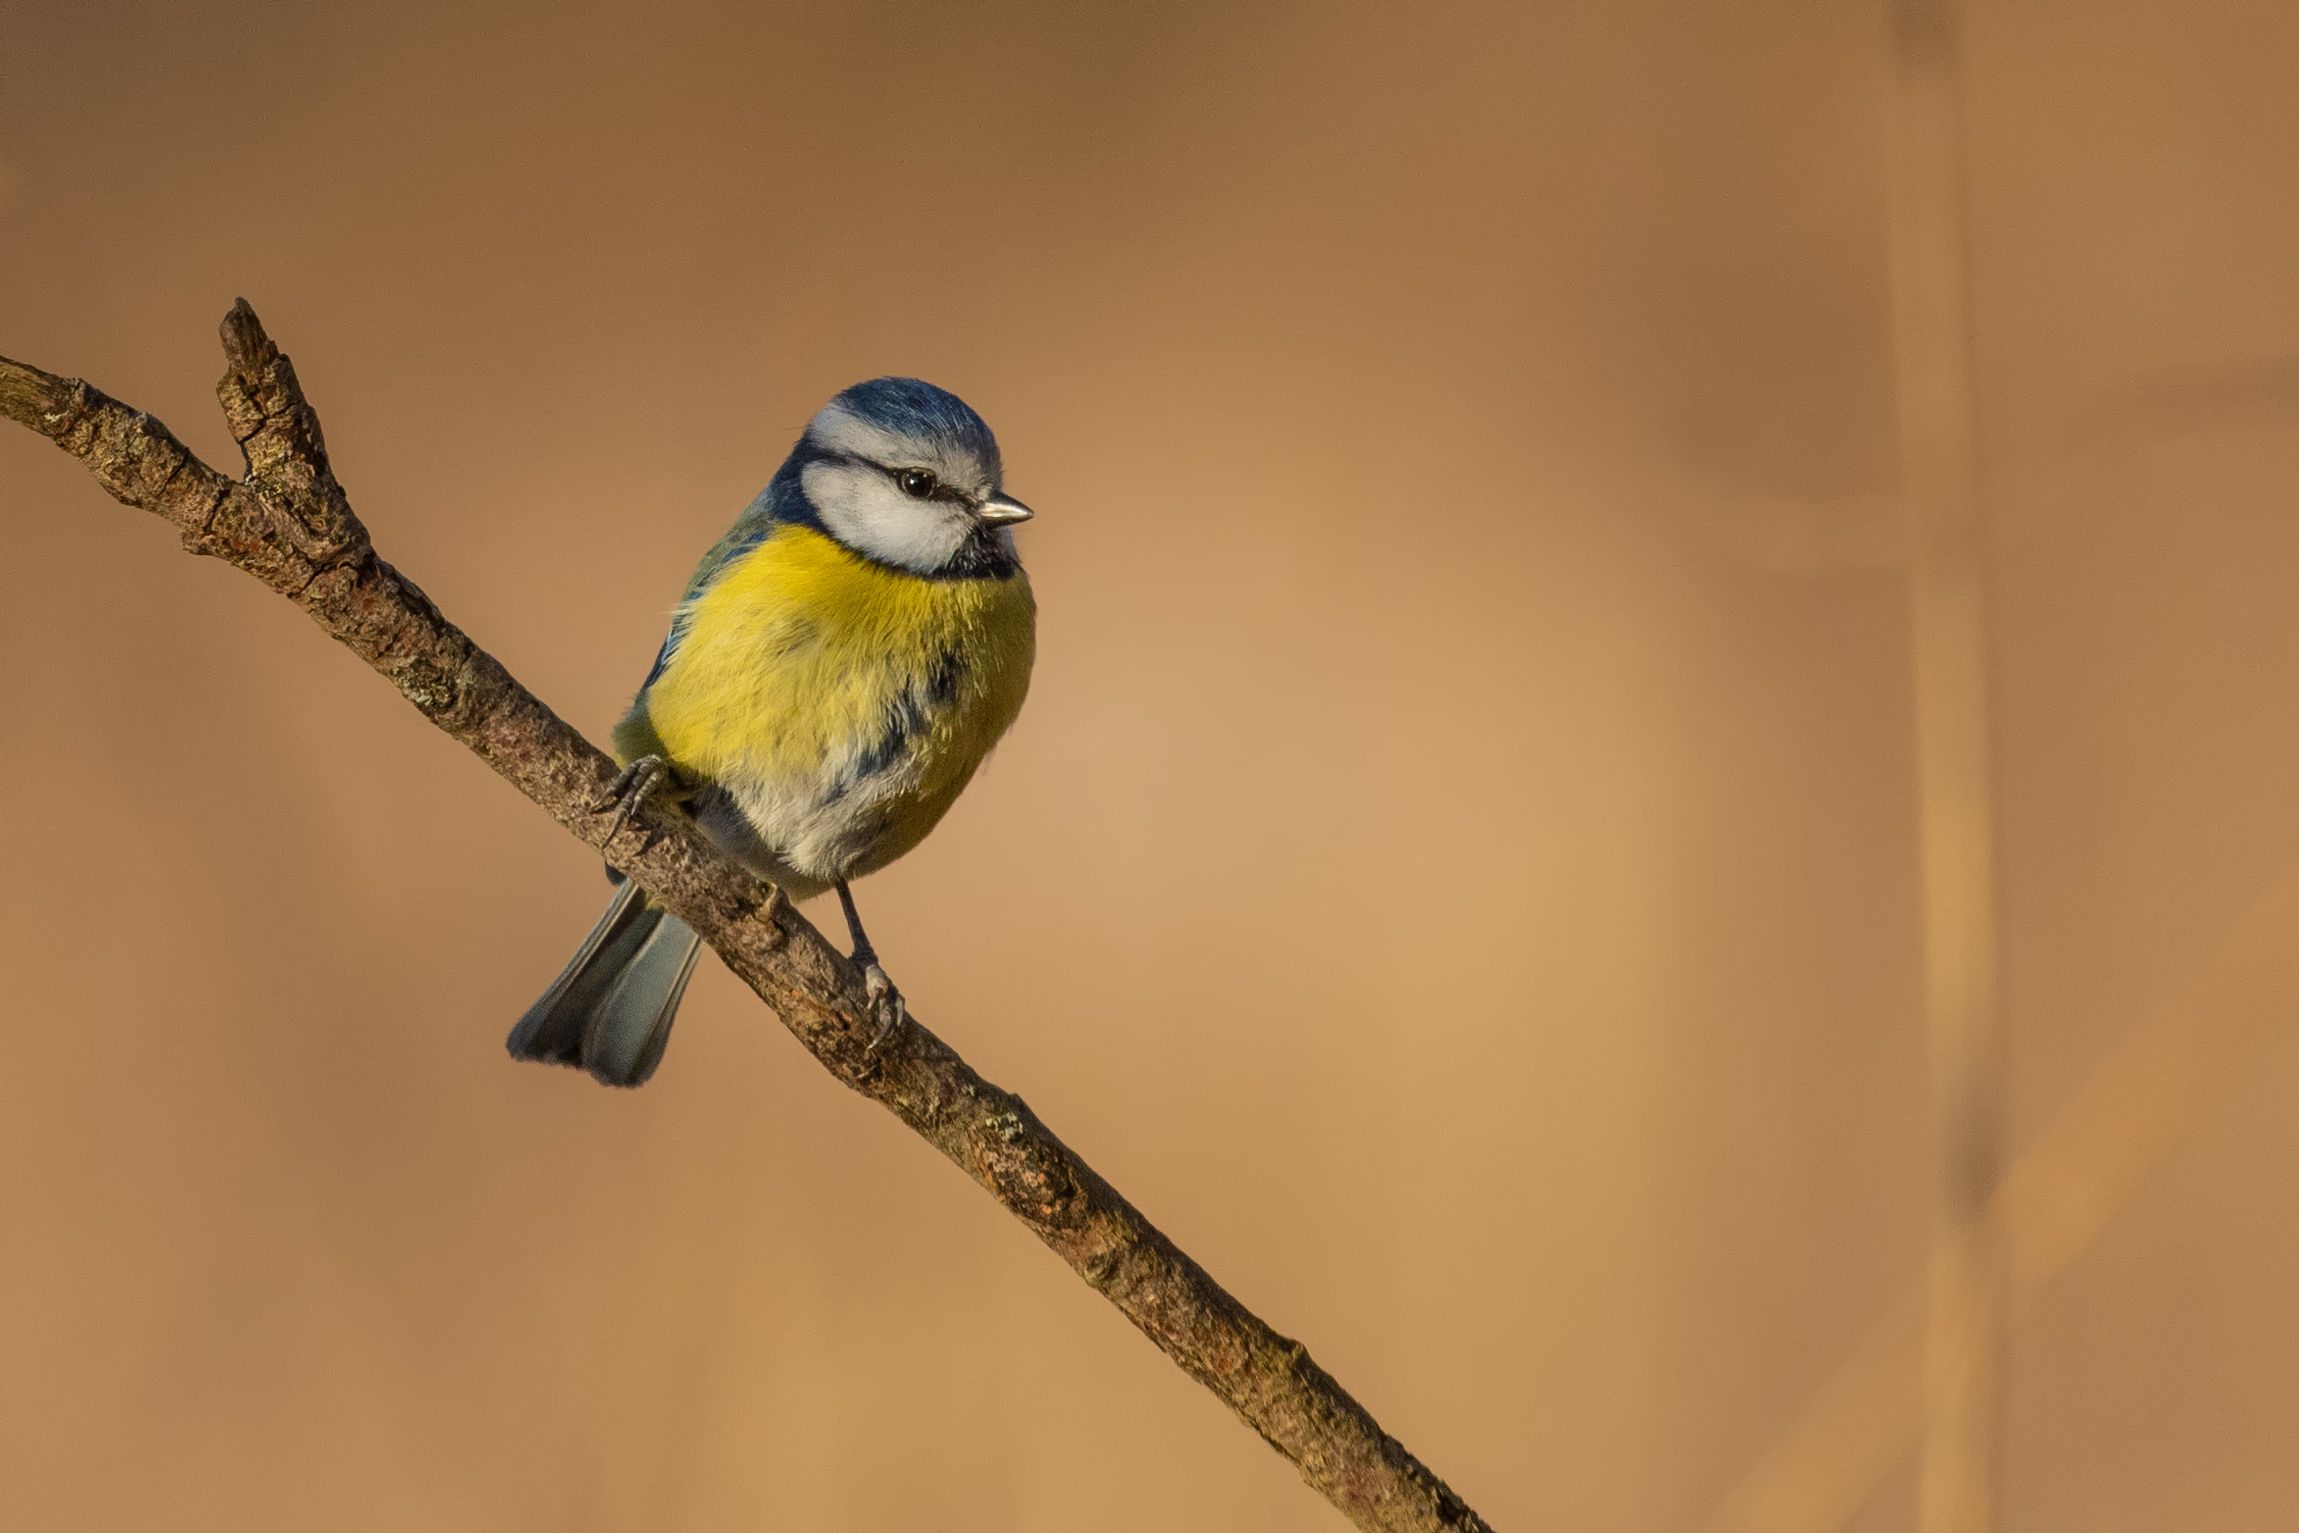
<point>288,522</point>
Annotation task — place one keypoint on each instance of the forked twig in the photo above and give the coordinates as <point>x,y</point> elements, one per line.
<point>288,523</point>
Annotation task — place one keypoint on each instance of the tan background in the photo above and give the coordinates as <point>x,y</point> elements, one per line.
<point>1455,871</point>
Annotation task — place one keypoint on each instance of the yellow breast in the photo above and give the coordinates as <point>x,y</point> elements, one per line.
<point>843,704</point>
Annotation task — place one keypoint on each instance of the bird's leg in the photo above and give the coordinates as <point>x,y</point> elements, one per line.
<point>633,786</point>
<point>877,988</point>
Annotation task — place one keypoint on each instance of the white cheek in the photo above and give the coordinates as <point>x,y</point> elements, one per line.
<point>863,509</point>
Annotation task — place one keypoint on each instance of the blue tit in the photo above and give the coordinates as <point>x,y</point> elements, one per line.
<point>842,661</point>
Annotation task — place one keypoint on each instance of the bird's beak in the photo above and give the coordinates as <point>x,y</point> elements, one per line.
<point>1002,510</point>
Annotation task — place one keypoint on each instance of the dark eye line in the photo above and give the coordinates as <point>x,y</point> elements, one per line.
<point>941,490</point>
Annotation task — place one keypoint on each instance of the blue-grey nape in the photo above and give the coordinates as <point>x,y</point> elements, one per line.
<point>916,408</point>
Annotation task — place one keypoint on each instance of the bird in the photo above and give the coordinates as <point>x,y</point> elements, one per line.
<point>843,660</point>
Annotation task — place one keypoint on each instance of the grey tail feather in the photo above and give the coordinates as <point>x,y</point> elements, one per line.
<point>610,1010</point>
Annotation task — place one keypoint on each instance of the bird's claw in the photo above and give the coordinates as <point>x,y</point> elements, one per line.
<point>633,786</point>
<point>883,1000</point>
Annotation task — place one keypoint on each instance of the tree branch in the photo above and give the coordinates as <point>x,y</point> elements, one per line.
<point>288,523</point>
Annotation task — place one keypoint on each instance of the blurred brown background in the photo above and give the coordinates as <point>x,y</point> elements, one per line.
<point>1456,870</point>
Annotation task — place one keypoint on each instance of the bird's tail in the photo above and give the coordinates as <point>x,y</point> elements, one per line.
<point>610,1010</point>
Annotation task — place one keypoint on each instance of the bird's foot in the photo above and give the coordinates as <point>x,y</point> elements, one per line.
<point>633,786</point>
<point>884,1001</point>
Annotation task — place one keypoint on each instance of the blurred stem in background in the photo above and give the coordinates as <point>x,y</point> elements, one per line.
<point>1955,768</point>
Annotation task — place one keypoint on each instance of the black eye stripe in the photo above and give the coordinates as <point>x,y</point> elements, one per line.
<point>941,491</point>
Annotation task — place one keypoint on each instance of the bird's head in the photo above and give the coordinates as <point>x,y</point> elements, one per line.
<point>907,474</point>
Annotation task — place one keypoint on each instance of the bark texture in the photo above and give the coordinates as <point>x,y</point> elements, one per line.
<point>287,522</point>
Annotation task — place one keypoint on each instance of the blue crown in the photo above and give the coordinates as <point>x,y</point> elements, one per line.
<point>914,408</point>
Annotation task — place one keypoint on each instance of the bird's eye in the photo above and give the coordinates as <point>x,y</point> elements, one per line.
<point>918,484</point>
